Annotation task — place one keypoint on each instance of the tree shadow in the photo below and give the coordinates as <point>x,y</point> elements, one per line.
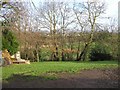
<point>19,78</point>
<point>29,77</point>
<point>20,81</point>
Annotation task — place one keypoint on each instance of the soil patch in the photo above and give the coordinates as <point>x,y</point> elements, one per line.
<point>106,78</point>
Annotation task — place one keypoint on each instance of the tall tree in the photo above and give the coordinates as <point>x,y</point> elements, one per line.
<point>91,10</point>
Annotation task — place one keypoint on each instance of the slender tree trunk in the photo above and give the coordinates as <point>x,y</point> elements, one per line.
<point>87,45</point>
<point>37,55</point>
<point>37,52</point>
<point>78,50</point>
<point>63,56</point>
<point>71,53</point>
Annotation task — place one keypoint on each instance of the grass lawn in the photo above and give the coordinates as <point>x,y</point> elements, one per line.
<point>47,70</point>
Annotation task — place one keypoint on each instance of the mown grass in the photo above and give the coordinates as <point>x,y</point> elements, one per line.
<point>47,70</point>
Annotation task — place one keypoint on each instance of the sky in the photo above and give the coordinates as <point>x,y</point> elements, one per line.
<point>111,9</point>
<point>119,16</point>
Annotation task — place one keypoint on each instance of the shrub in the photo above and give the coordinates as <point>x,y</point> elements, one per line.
<point>9,41</point>
<point>28,54</point>
<point>100,52</point>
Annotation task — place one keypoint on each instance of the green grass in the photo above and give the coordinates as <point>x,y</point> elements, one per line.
<point>47,70</point>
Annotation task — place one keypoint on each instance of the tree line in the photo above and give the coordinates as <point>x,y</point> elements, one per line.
<point>60,31</point>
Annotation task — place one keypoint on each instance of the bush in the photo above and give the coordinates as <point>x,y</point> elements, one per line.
<point>100,52</point>
<point>28,54</point>
<point>9,41</point>
<point>45,54</point>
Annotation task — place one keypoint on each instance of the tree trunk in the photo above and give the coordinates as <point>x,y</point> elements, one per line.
<point>78,51</point>
<point>37,55</point>
<point>63,56</point>
<point>56,54</point>
<point>87,45</point>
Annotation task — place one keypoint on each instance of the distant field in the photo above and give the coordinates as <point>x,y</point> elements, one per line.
<point>40,69</point>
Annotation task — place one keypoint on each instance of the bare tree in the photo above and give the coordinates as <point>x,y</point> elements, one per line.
<point>49,15</point>
<point>91,11</point>
<point>66,20</point>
